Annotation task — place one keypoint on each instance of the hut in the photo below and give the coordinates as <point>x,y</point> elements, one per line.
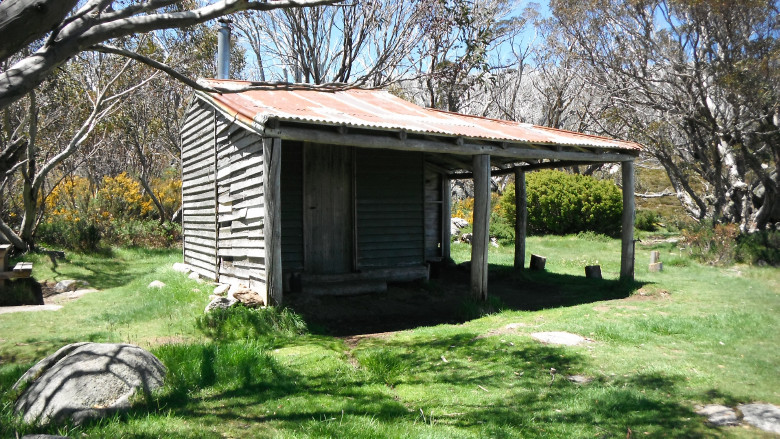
<point>289,187</point>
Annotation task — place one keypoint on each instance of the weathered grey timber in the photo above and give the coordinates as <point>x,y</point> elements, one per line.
<point>521,218</point>
<point>272,155</point>
<point>481,232</point>
<point>627,231</point>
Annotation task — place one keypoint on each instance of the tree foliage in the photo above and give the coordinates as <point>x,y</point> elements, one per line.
<point>697,82</point>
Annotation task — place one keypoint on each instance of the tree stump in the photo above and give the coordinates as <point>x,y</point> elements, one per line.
<point>655,262</point>
<point>537,263</point>
<point>593,271</point>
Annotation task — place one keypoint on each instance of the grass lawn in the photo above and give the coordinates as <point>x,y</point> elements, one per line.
<point>692,334</point>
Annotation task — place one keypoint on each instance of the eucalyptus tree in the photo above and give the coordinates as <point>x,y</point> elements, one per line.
<point>697,82</point>
<point>361,43</point>
<point>45,40</point>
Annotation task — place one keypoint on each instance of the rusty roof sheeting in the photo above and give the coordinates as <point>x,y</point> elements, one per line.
<point>360,108</point>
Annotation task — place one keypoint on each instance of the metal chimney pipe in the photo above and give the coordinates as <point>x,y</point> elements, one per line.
<point>223,49</point>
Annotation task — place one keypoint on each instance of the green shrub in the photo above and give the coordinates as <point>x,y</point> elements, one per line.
<point>758,247</point>
<point>239,322</point>
<point>561,204</point>
<point>647,220</point>
<point>501,229</point>
<point>78,234</point>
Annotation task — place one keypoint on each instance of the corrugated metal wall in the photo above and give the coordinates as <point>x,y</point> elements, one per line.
<point>389,202</point>
<point>198,177</point>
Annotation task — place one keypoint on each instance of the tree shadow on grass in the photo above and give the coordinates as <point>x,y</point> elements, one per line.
<point>486,388</point>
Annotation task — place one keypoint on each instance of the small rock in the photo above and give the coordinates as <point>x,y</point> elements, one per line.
<point>181,268</point>
<point>64,286</point>
<point>579,379</point>
<point>194,276</point>
<point>220,303</point>
<point>561,338</point>
<point>221,289</point>
<point>718,415</point>
<point>156,284</point>
<point>456,224</point>
<point>513,326</point>
<point>763,416</point>
<point>494,242</point>
<point>466,237</point>
<point>43,436</point>
<point>248,298</point>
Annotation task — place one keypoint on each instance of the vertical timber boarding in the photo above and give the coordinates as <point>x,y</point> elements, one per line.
<point>198,179</point>
<point>481,232</point>
<point>272,161</point>
<point>389,198</point>
<point>627,229</point>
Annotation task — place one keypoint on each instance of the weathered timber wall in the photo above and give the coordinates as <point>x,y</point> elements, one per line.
<point>198,178</point>
<point>241,210</point>
<point>389,205</point>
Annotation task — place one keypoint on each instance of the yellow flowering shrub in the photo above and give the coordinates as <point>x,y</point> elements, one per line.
<point>123,197</point>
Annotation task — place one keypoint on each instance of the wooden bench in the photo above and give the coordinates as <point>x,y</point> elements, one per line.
<point>21,270</point>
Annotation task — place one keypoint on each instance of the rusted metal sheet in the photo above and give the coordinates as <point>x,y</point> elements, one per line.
<point>377,109</point>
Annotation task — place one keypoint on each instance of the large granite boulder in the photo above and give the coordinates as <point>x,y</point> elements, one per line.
<point>86,380</point>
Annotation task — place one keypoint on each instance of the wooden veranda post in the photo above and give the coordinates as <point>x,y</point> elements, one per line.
<point>627,232</point>
<point>481,233</point>
<point>521,218</point>
<point>272,160</point>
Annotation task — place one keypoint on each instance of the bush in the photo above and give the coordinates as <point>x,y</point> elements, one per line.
<point>713,244</point>
<point>561,204</point>
<point>647,220</point>
<point>759,247</point>
<point>502,230</point>
<point>77,234</point>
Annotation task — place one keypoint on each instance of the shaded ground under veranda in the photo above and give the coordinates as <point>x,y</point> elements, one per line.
<point>445,299</point>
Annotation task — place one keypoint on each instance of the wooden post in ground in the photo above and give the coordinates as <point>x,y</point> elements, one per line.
<point>627,232</point>
<point>481,230</point>
<point>272,228</point>
<point>446,215</point>
<point>521,218</point>
<point>4,249</point>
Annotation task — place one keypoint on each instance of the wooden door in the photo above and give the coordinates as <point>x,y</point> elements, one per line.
<point>327,204</point>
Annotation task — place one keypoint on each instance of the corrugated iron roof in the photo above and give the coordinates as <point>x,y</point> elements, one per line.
<point>377,109</point>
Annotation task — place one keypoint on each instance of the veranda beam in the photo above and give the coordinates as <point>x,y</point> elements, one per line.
<point>627,232</point>
<point>481,233</point>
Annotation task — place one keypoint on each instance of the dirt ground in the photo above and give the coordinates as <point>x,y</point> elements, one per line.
<point>445,299</point>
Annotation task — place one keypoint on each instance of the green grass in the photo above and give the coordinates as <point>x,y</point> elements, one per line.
<point>692,334</point>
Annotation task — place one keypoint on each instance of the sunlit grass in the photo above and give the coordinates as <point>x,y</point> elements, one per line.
<point>691,334</point>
